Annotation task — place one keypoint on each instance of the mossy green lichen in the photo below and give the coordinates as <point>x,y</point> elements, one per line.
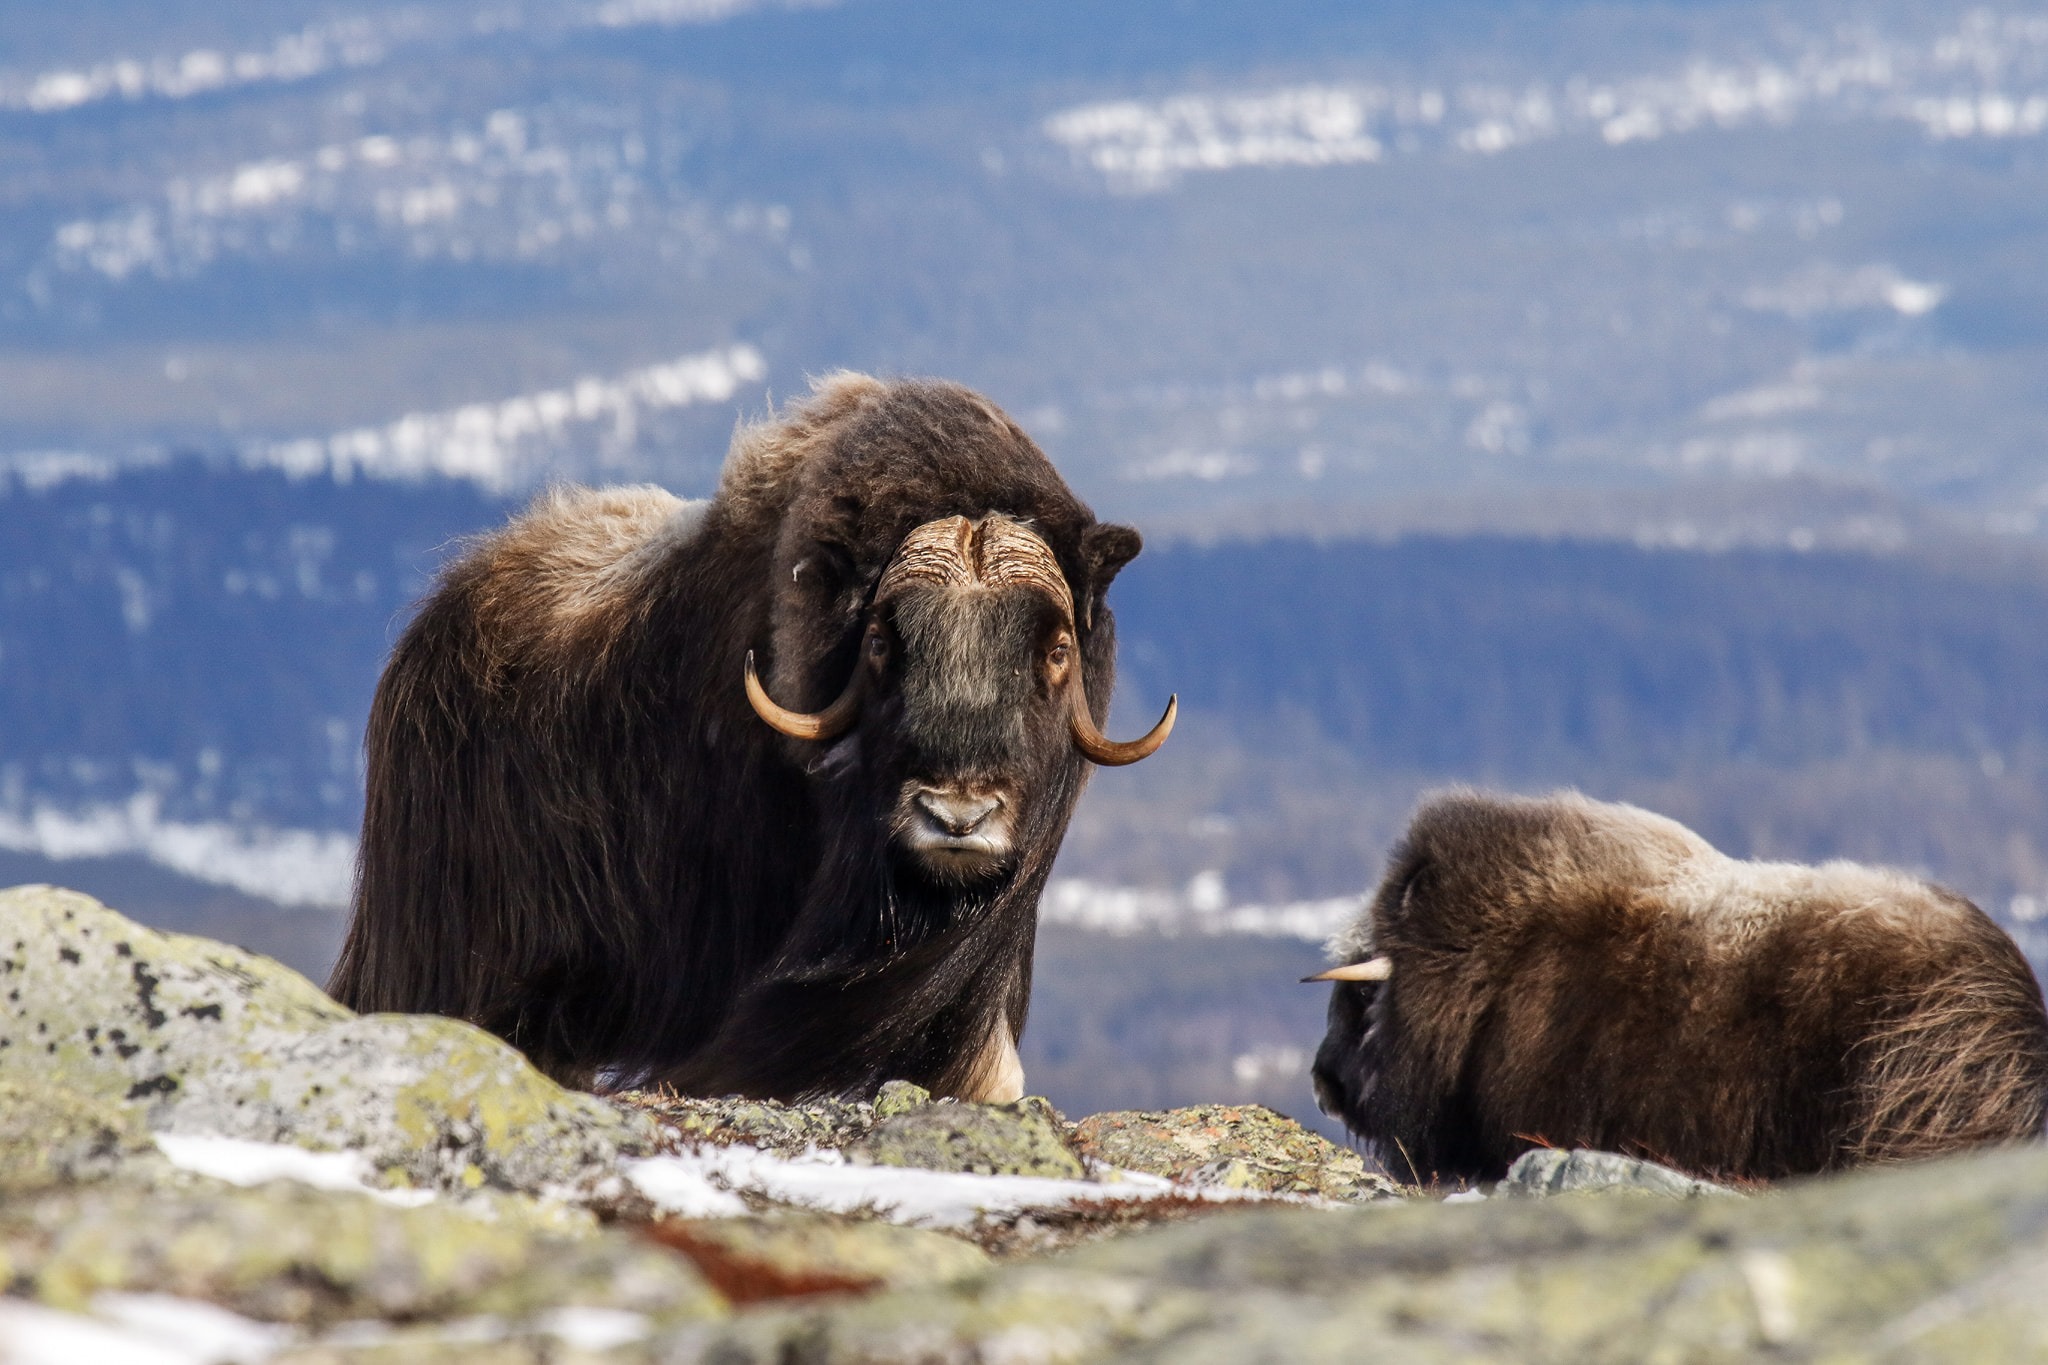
<point>285,1253</point>
<point>1935,1263</point>
<point>198,1037</point>
<point>1024,1138</point>
<point>1246,1147</point>
<point>784,1129</point>
<point>51,1136</point>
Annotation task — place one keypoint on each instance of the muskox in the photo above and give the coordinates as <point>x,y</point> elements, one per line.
<point>1566,972</point>
<point>595,830</point>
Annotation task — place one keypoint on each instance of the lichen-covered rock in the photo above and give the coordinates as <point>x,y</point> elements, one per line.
<point>784,1129</point>
<point>109,1008</point>
<point>1937,1262</point>
<point>1548,1170</point>
<point>1022,1138</point>
<point>204,1038</point>
<point>795,1254</point>
<point>1246,1147</point>
<point>440,1102</point>
<point>286,1253</point>
<point>50,1136</point>
<point>900,1097</point>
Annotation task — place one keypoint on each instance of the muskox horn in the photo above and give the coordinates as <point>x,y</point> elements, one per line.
<point>829,723</point>
<point>1372,969</point>
<point>1099,749</point>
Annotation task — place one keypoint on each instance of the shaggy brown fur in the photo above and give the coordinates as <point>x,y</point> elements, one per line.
<point>579,836</point>
<point>1573,973</point>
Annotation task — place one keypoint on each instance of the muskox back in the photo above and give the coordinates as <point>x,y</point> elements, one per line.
<point>1572,973</point>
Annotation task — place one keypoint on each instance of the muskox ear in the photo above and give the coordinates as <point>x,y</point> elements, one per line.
<point>1105,548</point>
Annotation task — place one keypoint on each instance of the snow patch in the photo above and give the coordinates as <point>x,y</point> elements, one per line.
<point>1963,83</point>
<point>1829,288</point>
<point>208,1332</point>
<point>33,1335</point>
<point>1201,907</point>
<point>826,1181</point>
<point>505,444</point>
<point>239,1161</point>
<point>38,471</point>
<point>293,867</point>
<point>310,52</point>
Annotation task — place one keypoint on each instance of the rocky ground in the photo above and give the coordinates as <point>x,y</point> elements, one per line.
<point>204,1159</point>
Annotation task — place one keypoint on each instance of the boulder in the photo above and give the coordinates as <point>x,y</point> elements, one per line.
<point>792,1255</point>
<point>1022,1138</point>
<point>784,1129</point>
<point>195,1037</point>
<point>50,1136</point>
<point>1246,1147</point>
<point>1938,1262</point>
<point>1548,1170</point>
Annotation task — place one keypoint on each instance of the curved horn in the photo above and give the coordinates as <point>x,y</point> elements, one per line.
<point>829,723</point>
<point>1372,969</point>
<point>1098,749</point>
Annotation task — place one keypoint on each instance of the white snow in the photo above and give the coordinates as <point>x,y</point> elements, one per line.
<point>504,444</point>
<point>240,1161</point>
<point>1201,907</point>
<point>935,1199</point>
<point>684,1189</point>
<point>148,1330</point>
<point>294,867</point>
<point>293,57</point>
<point>207,1331</point>
<point>321,48</point>
<point>580,1328</point>
<point>1987,77</point>
<point>594,1329</point>
<point>38,470</point>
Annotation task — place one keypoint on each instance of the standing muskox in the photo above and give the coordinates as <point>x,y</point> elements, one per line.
<point>1566,972</point>
<point>585,833</point>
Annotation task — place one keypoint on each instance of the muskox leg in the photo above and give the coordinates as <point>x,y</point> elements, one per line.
<point>998,1072</point>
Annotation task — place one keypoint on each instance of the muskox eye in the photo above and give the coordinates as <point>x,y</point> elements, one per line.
<point>1057,658</point>
<point>878,648</point>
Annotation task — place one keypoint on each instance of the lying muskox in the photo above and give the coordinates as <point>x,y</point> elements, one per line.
<point>593,830</point>
<point>1565,972</point>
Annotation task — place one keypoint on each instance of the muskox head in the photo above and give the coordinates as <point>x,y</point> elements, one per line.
<point>965,710</point>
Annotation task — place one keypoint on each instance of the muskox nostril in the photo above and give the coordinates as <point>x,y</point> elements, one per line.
<point>957,815</point>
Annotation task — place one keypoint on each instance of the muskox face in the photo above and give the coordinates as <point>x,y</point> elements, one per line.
<point>965,718</point>
<point>1343,1070</point>
<point>1346,1066</point>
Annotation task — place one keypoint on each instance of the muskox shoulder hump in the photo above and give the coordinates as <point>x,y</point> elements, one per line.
<point>767,456</point>
<point>577,557</point>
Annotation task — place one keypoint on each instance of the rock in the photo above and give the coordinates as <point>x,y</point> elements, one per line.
<point>198,1037</point>
<point>900,1097</point>
<point>784,1129</point>
<point>793,1255</point>
<point>1936,1262</point>
<point>1022,1138</point>
<point>116,1010</point>
<point>286,1253</point>
<point>49,1136</point>
<point>1246,1147</point>
<point>436,1101</point>
<point>1550,1171</point>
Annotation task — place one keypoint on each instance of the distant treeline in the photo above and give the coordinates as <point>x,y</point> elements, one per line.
<point>214,634</point>
<point>1525,658</point>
